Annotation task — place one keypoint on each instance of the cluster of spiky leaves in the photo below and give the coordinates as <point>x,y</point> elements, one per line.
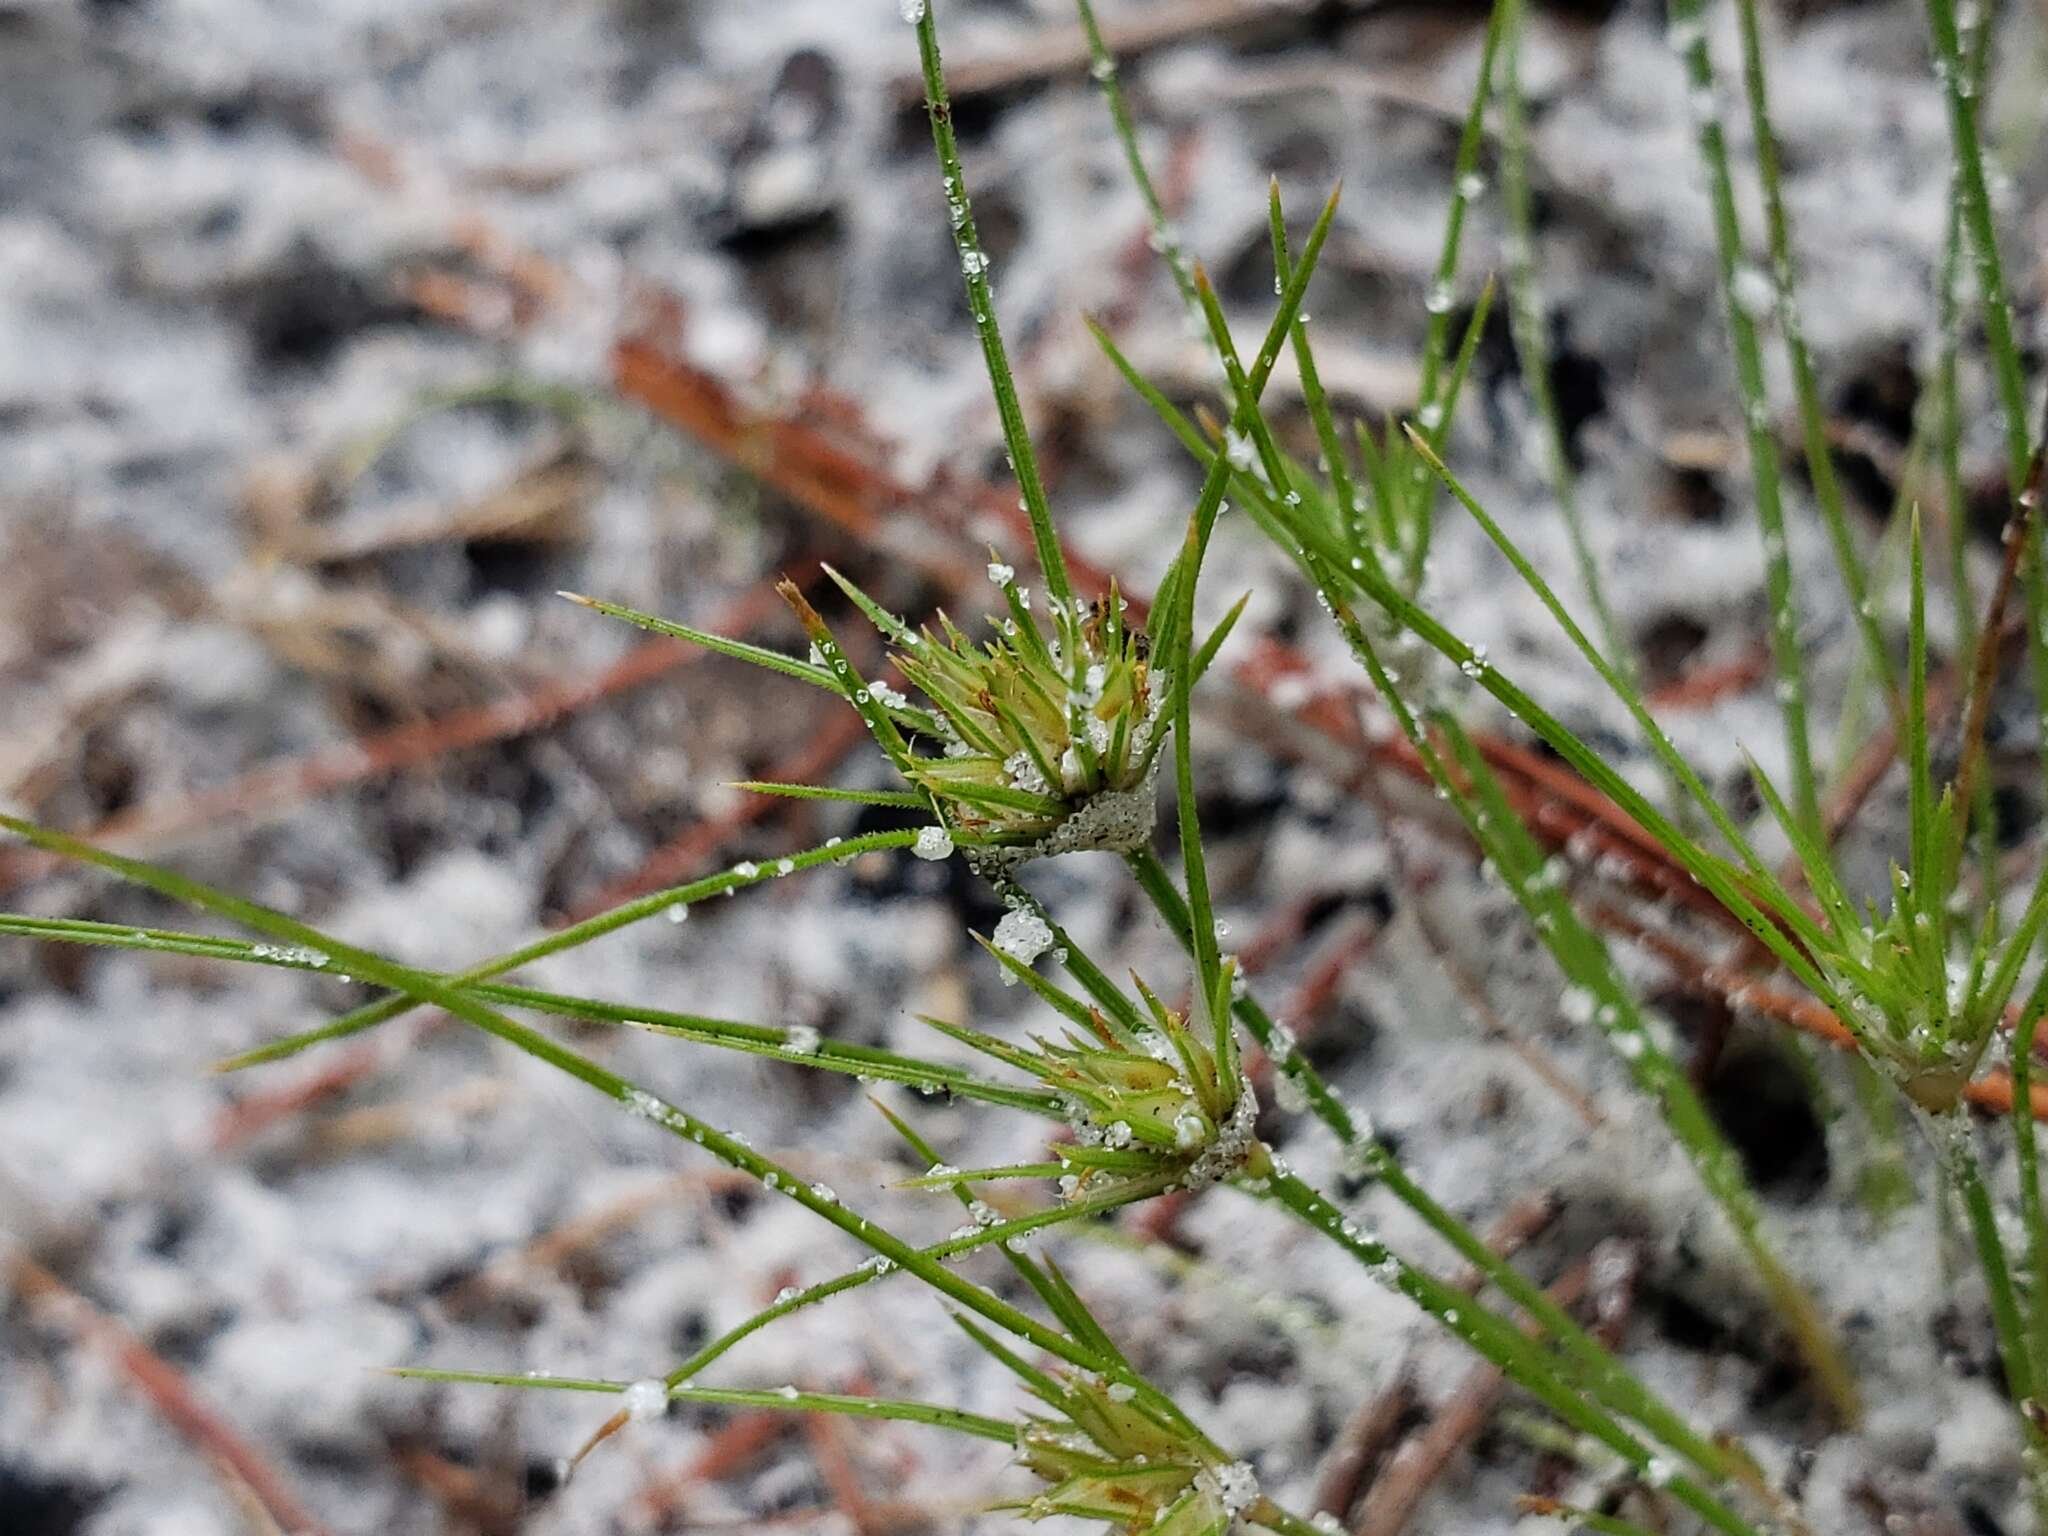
<point>1104,1458</point>
<point>1043,751</point>
<point>1107,1447</point>
<point>1926,984</point>
<point>1157,1101</point>
<point>1040,739</point>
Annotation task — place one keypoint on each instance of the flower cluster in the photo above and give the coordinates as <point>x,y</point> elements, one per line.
<point>1155,1105</point>
<point>1046,737</point>
<point>1105,1456</point>
<point>1046,753</point>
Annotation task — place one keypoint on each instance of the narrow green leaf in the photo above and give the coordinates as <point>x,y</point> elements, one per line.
<point>760,656</point>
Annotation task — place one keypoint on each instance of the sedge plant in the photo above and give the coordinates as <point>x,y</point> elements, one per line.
<point>1045,730</point>
<point>1925,983</point>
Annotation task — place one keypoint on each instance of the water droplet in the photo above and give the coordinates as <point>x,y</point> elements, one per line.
<point>1754,292</point>
<point>1023,936</point>
<point>645,1400</point>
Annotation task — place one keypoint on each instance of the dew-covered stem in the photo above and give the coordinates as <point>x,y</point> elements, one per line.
<point>1438,302</point>
<point>974,268</point>
<point>1595,1366</point>
<point>2027,1154</point>
<point>1959,72</point>
<point>426,988</point>
<point>671,900</point>
<point>1102,66</point>
<point>1778,293</point>
<point>1688,37</point>
<point>1975,46</point>
<point>1955,1141</point>
<point>1527,324</point>
<point>778,1399</point>
<point>1525,1362</point>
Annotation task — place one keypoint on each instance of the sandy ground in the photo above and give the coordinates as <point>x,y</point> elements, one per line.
<point>249,517</point>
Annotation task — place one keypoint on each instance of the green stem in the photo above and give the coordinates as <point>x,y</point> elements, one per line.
<point>731,1150</point>
<point>999,1234</point>
<point>1526,324</point>
<point>782,1400</point>
<point>1526,1363</point>
<point>1594,1365</point>
<point>981,304</point>
<point>2026,1151</point>
<point>1820,460</point>
<point>1584,959</point>
<point>577,934</point>
<point>727,1034</point>
<point>1959,76</point>
<point>1528,327</point>
<point>1688,35</point>
<point>1959,89</point>
<point>1437,302</point>
<point>1103,67</point>
<point>1956,1142</point>
<point>1949,309</point>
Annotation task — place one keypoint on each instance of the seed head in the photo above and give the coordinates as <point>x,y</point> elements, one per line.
<point>1159,1107</point>
<point>1105,1455</point>
<point>1042,739</point>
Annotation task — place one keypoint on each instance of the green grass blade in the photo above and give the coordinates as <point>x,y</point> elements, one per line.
<point>1103,66</point>
<point>1617,682</point>
<point>981,303</point>
<point>763,1040</point>
<point>2027,1153</point>
<point>1956,1142</point>
<point>1328,438</point>
<point>1719,879</point>
<point>1596,1369</point>
<point>1919,769</point>
<point>426,988</point>
<point>887,624</point>
<point>1527,326</point>
<point>901,799</point>
<point>578,934</point>
<point>1687,32</point>
<point>1783,281</point>
<point>1439,300</point>
<point>1589,967</point>
<point>1194,867</point>
<point>780,1399</point>
<point>758,655</point>
<point>1206,655</point>
<point>1521,1359</point>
